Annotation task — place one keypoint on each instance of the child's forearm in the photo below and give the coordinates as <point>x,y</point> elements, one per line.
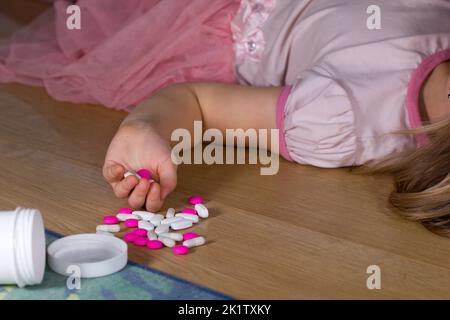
<point>219,106</point>
<point>170,108</point>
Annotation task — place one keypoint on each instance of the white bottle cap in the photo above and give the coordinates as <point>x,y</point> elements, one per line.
<point>96,255</point>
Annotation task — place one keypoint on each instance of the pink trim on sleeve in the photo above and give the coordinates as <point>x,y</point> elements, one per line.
<point>280,121</point>
<point>412,98</point>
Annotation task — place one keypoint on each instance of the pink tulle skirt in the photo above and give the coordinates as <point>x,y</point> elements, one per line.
<point>125,50</point>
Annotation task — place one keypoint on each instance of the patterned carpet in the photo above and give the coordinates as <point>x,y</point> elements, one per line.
<point>135,282</point>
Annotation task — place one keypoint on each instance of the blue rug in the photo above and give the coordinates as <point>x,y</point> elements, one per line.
<point>134,282</point>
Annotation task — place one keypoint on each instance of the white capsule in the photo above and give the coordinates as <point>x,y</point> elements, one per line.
<point>131,173</point>
<point>202,211</point>
<point>171,220</point>
<point>194,242</point>
<point>187,216</point>
<point>167,241</point>
<point>151,235</point>
<point>147,225</point>
<point>126,216</point>
<point>156,219</point>
<point>183,224</point>
<point>145,215</point>
<point>108,227</point>
<point>170,213</point>
<point>172,235</point>
<point>106,233</point>
<point>162,228</point>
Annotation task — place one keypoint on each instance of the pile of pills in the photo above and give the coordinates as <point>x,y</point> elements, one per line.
<point>155,230</point>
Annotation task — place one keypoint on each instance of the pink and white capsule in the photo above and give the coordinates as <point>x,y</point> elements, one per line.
<point>183,224</point>
<point>172,235</point>
<point>170,213</point>
<point>194,242</point>
<point>126,216</point>
<point>195,199</point>
<point>147,225</point>
<point>145,215</point>
<point>202,211</point>
<point>108,227</point>
<point>187,216</point>
<point>169,221</point>
<point>167,241</point>
<point>131,173</point>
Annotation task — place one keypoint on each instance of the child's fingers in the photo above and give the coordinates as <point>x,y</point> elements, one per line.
<point>138,196</point>
<point>123,188</point>
<point>154,202</point>
<point>167,177</point>
<point>113,172</point>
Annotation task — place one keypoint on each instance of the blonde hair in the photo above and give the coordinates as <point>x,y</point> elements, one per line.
<point>421,178</point>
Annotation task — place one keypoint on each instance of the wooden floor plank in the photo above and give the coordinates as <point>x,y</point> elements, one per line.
<point>305,233</point>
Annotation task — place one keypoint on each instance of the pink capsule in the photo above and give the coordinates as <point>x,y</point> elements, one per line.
<point>130,237</point>
<point>189,235</point>
<point>154,244</point>
<point>189,211</point>
<point>126,210</point>
<point>180,249</point>
<point>141,241</point>
<point>140,232</point>
<point>110,220</point>
<point>144,173</point>
<point>195,200</point>
<point>131,223</point>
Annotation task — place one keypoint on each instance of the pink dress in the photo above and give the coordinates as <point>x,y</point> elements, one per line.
<point>345,86</point>
<point>125,50</point>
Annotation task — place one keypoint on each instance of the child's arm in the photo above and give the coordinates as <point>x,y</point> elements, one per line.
<point>143,139</point>
<point>219,106</point>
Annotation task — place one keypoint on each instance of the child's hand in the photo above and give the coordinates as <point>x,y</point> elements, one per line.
<point>135,147</point>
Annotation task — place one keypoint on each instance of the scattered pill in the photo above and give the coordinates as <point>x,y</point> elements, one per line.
<point>108,227</point>
<point>194,242</point>
<point>140,232</point>
<point>110,220</point>
<point>170,213</point>
<point>130,237</point>
<point>172,235</point>
<point>167,241</point>
<point>104,232</point>
<point>183,224</point>
<point>154,244</point>
<point>151,235</point>
<point>162,228</point>
<point>156,219</point>
<point>202,211</point>
<point>188,216</point>
<point>189,211</point>
<point>126,210</point>
<point>147,225</point>
<point>171,220</point>
<point>145,215</point>
<point>131,223</point>
<point>180,249</point>
<point>127,216</point>
<point>131,173</point>
<point>189,235</point>
<point>195,200</point>
<point>144,173</point>
<point>140,241</point>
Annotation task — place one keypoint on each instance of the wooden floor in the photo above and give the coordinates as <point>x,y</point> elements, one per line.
<point>305,233</point>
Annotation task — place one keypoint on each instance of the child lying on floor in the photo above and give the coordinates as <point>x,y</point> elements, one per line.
<point>335,86</point>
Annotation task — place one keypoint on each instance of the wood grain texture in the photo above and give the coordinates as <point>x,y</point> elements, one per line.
<point>305,233</point>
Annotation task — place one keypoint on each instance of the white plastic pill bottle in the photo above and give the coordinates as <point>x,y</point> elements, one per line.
<point>22,247</point>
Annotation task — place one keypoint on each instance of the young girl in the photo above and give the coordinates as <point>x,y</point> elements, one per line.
<point>339,90</point>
